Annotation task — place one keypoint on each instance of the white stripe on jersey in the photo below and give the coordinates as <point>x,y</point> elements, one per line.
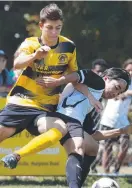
<point>83,77</point>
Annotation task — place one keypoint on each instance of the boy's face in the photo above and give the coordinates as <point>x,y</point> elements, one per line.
<point>51,30</point>
<point>129,69</point>
<point>113,88</point>
<point>3,61</point>
<point>98,69</point>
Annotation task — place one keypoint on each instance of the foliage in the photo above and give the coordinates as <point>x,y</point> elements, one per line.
<point>100,28</point>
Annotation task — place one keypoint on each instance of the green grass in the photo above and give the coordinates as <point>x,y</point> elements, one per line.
<point>51,182</point>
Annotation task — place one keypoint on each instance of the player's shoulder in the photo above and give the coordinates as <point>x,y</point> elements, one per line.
<point>66,44</point>
<point>94,81</point>
<point>31,41</point>
<point>65,39</point>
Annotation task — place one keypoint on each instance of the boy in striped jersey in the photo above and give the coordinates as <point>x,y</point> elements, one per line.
<point>50,55</point>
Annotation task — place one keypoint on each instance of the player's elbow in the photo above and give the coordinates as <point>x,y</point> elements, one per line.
<point>98,136</point>
<point>17,64</point>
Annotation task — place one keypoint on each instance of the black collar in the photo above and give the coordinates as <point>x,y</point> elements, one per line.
<point>52,47</point>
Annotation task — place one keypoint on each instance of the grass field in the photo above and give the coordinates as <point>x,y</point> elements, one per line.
<point>51,182</point>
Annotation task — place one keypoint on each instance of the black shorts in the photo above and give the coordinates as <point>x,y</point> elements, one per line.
<point>88,126</point>
<point>19,117</point>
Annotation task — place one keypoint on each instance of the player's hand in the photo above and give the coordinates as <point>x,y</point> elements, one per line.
<point>48,82</point>
<point>41,52</point>
<point>126,130</point>
<point>96,104</point>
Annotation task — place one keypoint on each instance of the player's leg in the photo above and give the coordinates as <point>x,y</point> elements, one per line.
<point>21,118</point>
<point>124,145</point>
<point>8,122</point>
<point>6,132</point>
<point>107,155</point>
<point>16,118</point>
<point>74,162</point>
<point>51,130</point>
<point>91,150</point>
<point>55,128</point>
<point>75,150</point>
<point>98,158</point>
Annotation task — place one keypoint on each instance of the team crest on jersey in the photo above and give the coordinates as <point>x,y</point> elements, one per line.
<point>63,59</point>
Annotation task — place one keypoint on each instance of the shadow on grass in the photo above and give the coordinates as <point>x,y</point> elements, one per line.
<point>47,182</point>
<point>53,181</point>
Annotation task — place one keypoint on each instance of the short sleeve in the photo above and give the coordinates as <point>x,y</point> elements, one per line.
<point>29,46</point>
<point>89,78</point>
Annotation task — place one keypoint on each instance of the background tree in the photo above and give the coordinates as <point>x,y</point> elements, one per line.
<point>99,29</point>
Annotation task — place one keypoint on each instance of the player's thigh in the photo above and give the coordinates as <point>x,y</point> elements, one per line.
<point>91,145</point>
<point>6,132</point>
<point>74,145</point>
<point>44,123</point>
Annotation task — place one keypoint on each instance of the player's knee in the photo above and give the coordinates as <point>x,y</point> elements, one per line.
<point>61,126</point>
<point>79,150</point>
<point>46,123</point>
<point>79,146</point>
<point>41,124</point>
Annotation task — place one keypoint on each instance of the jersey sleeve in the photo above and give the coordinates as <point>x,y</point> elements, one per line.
<point>92,80</point>
<point>28,47</point>
<point>73,62</point>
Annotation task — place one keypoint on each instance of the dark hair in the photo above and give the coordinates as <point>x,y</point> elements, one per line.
<point>100,62</point>
<point>51,12</point>
<point>3,54</point>
<point>118,73</point>
<point>127,62</point>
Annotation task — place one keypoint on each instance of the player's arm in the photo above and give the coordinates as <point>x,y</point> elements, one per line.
<point>89,79</point>
<point>94,102</point>
<point>85,76</point>
<point>105,134</point>
<point>23,61</point>
<point>27,55</point>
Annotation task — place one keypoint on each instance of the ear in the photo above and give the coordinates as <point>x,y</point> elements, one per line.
<point>41,25</point>
<point>105,78</point>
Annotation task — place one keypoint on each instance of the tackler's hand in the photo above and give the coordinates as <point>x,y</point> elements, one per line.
<point>96,104</point>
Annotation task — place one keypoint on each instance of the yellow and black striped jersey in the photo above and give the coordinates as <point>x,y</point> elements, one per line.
<point>60,60</point>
